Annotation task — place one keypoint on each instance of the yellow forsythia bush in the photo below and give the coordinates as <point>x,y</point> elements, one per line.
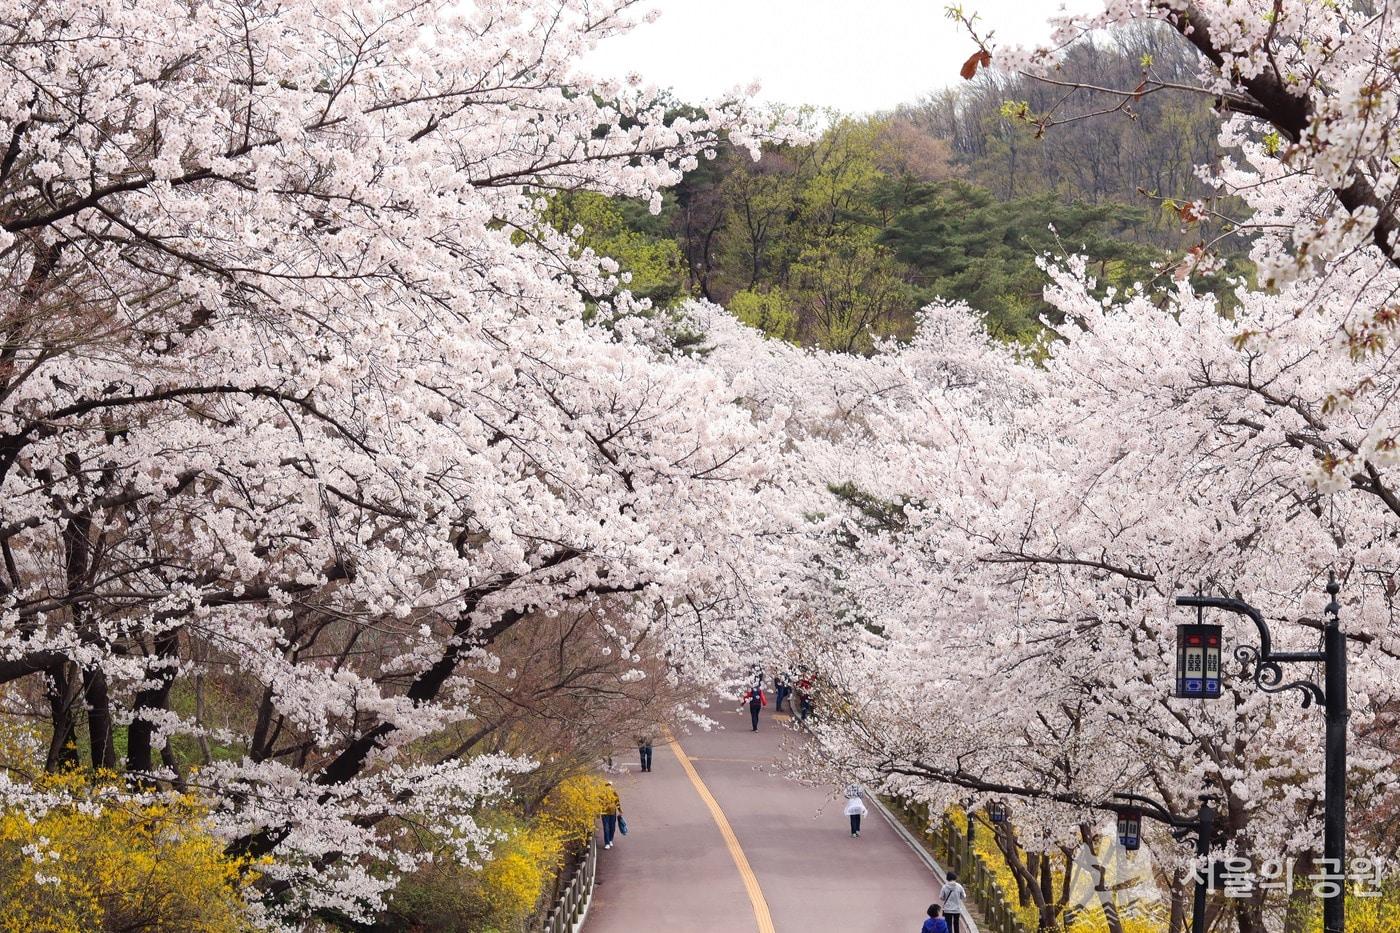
<point>573,807</point>
<point>93,865</point>
<point>502,892</point>
<point>521,866</point>
<point>1377,914</point>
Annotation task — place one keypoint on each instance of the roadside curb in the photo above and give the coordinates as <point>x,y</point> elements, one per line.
<point>922,852</point>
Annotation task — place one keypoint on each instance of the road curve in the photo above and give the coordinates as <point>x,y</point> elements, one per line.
<point>787,860</point>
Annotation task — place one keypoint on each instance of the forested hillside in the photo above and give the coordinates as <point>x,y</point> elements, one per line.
<point>1018,137</point>
<point>839,243</point>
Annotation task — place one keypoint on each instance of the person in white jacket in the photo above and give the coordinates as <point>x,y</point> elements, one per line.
<point>855,809</point>
<point>953,895</point>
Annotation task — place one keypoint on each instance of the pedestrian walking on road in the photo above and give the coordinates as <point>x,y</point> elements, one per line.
<point>855,809</point>
<point>935,923</point>
<point>644,751</point>
<point>756,701</point>
<point>782,690</point>
<point>953,895</point>
<point>612,812</point>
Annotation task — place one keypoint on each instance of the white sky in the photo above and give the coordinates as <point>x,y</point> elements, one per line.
<point>854,55</point>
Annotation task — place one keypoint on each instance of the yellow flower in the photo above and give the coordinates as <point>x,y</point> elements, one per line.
<point>98,864</point>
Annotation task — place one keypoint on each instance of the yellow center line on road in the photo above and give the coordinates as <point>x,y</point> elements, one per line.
<point>741,861</point>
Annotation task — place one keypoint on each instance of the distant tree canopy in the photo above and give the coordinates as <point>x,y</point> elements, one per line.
<point>623,229</point>
<point>962,241</point>
<point>1017,137</point>
<point>839,243</point>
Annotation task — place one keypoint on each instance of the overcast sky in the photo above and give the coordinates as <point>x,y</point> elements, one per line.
<point>855,55</point>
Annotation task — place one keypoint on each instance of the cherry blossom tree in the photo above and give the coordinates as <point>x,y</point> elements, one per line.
<point>988,599</point>
<point>992,611</point>
<point>300,400</point>
<point>304,409</point>
<point>1309,100</point>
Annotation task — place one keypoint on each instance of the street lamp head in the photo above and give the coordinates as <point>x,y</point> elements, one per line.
<point>1130,828</point>
<point>1198,649</point>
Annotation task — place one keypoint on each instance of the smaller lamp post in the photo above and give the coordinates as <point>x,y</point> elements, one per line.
<point>1331,695</point>
<point>1136,807</point>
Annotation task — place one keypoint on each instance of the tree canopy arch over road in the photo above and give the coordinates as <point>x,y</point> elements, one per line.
<point>303,398</point>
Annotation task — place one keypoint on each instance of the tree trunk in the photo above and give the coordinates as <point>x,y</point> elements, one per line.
<point>101,750</point>
<point>1108,901</point>
<point>1027,887</point>
<point>77,547</point>
<point>1300,899</point>
<point>1023,894</point>
<point>1177,921</point>
<point>62,694</point>
<point>1047,906</point>
<point>140,737</point>
<point>1249,914</point>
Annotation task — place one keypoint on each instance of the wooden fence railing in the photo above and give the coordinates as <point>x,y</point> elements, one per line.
<point>566,916</point>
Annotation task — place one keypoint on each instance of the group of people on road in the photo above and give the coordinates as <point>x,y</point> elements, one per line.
<point>613,821</point>
<point>943,917</point>
<point>785,688</point>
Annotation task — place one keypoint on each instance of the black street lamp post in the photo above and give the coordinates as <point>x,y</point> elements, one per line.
<point>1137,807</point>
<point>1332,696</point>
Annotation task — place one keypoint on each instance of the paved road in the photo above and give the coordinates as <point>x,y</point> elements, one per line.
<point>793,863</point>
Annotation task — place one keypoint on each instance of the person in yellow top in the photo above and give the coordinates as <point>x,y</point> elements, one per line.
<point>612,815</point>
